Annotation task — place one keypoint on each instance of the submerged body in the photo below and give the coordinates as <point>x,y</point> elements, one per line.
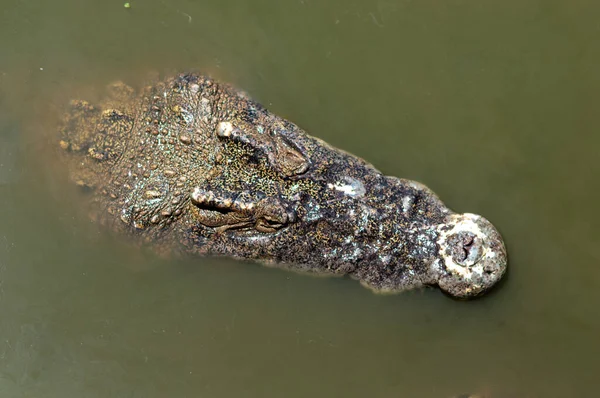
<point>194,165</point>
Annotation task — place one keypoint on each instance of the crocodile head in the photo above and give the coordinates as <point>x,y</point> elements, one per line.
<point>293,199</point>
<point>196,164</point>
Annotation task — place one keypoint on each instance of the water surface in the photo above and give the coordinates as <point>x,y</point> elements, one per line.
<point>491,104</point>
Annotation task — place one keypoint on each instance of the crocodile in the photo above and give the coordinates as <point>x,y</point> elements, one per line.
<point>191,165</point>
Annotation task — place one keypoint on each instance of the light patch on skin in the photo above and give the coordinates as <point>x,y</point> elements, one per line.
<point>313,211</point>
<point>362,218</point>
<point>416,185</point>
<point>426,247</point>
<point>351,187</point>
<point>407,202</point>
<point>463,223</point>
<point>258,239</point>
<point>385,259</point>
<point>125,216</point>
<point>225,129</point>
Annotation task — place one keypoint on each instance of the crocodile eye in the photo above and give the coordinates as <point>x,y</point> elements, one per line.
<point>240,211</point>
<point>272,217</point>
<point>273,220</point>
<point>266,225</point>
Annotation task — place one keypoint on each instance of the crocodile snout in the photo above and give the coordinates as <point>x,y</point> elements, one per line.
<point>472,256</point>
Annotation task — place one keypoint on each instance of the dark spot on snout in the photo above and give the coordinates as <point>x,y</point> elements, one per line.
<point>467,245</point>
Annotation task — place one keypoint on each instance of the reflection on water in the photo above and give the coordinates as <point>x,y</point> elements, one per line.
<point>492,105</point>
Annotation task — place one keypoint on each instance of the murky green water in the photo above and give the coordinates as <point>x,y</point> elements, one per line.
<point>494,105</point>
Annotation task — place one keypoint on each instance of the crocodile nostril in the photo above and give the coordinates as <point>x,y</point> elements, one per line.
<point>468,245</point>
<point>489,269</point>
<point>468,241</point>
<point>465,248</point>
<point>461,256</point>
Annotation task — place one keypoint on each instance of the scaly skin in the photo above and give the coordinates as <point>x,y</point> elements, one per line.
<point>194,165</point>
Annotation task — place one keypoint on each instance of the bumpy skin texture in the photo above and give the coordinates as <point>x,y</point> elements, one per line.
<point>194,165</point>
